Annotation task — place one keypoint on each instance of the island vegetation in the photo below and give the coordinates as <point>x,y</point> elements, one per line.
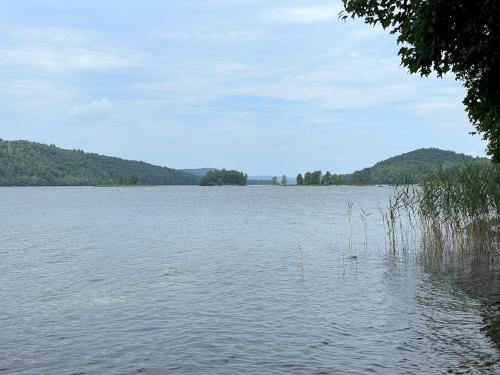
<point>200,172</point>
<point>24,163</point>
<point>224,177</point>
<point>318,178</point>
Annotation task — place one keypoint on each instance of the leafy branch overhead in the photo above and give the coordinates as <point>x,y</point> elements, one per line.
<point>459,36</point>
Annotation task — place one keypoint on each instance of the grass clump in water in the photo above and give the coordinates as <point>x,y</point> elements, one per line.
<point>460,212</point>
<point>455,213</point>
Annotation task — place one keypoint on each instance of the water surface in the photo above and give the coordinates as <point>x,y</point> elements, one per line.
<point>227,280</point>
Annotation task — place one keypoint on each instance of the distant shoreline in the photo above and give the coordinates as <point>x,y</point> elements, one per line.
<point>25,163</point>
<point>196,186</point>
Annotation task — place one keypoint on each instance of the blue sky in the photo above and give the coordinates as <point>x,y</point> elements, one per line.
<point>268,87</point>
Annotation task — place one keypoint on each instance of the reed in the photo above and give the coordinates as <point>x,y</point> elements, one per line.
<point>452,216</point>
<point>460,213</point>
<point>349,221</point>
<point>400,218</point>
<point>364,219</point>
<point>301,264</point>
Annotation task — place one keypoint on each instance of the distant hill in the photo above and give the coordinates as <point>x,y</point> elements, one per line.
<point>200,172</point>
<point>261,178</point>
<point>409,167</point>
<point>253,181</point>
<point>24,163</point>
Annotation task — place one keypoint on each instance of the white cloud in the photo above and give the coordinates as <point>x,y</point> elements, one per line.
<point>96,108</point>
<point>193,81</point>
<point>60,49</point>
<point>432,108</point>
<point>442,109</point>
<point>227,68</point>
<point>217,36</point>
<point>37,89</point>
<point>306,14</point>
<point>62,59</point>
<point>49,35</point>
<point>35,96</point>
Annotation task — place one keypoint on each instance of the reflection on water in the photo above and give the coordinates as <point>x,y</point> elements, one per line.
<point>228,280</point>
<point>482,283</point>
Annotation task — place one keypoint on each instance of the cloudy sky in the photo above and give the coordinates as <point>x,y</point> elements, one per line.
<point>268,87</point>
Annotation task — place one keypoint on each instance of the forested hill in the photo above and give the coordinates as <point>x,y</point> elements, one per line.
<point>409,167</point>
<point>200,172</point>
<point>24,163</point>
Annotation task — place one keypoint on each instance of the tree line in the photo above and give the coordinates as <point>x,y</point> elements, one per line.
<point>318,178</point>
<point>24,163</point>
<point>224,177</point>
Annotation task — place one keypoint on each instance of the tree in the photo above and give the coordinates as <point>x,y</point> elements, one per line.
<point>327,179</point>
<point>461,36</point>
<point>307,178</point>
<point>300,179</point>
<point>312,178</point>
<point>133,180</point>
<point>274,181</point>
<point>337,179</point>
<point>284,180</point>
<point>128,180</point>
<point>315,178</point>
<point>224,177</point>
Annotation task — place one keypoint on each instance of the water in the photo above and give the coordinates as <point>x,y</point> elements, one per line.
<point>194,280</point>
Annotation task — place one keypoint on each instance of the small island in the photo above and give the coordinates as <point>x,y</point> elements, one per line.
<point>317,178</point>
<point>224,177</point>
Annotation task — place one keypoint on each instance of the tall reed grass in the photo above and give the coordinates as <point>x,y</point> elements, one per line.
<point>453,215</point>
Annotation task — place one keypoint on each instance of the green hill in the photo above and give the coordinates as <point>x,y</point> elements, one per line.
<point>409,167</point>
<point>200,172</point>
<point>24,163</point>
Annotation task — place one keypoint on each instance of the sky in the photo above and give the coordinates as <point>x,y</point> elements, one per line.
<point>267,87</point>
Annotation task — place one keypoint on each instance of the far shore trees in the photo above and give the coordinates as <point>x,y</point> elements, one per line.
<point>129,180</point>
<point>326,179</point>
<point>312,178</point>
<point>284,180</point>
<point>317,178</point>
<point>224,177</point>
<point>300,179</point>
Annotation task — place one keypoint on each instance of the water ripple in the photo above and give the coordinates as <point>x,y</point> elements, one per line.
<point>192,281</point>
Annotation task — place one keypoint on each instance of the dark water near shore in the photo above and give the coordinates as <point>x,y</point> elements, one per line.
<point>194,280</point>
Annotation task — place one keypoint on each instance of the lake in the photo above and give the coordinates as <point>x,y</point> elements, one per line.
<point>226,280</point>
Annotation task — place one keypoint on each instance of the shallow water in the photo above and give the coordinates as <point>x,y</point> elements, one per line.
<point>227,280</point>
